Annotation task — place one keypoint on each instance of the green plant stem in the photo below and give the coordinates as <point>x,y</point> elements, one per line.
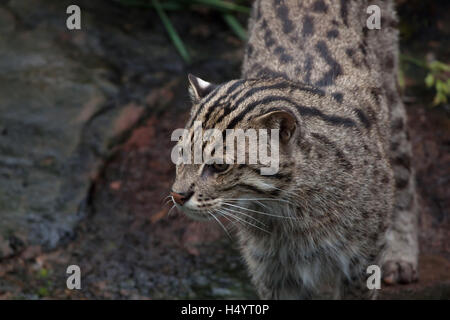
<point>415,61</point>
<point>172,5</point>
<point>176,40</point>
<point>224,5</point>
<point>234,24</point>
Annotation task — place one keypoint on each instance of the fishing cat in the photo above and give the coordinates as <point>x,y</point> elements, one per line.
<point>344,195</point>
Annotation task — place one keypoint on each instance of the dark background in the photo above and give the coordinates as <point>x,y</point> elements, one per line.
<point>85,124</point>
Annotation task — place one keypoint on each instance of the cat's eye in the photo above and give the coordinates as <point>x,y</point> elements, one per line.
<point>220,167</point>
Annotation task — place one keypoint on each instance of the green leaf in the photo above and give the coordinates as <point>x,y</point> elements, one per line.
<point>446,87</point>
<point>429,80</point>
<point>176,40</point>
<point>43,273</point>
<point>43,292</point>
<point>442,66</point>
<point>439,98</point>
<point>401,78</point>
<point>439,85</point>
<point>234,24</point>
<point>415,61</point>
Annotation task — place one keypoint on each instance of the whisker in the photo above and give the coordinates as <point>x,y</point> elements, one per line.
<point>168,213</point>
<point>260,199</point>
<point>245,215</point>
<point>242,220</point>
<point>231,223</point>
<point>242,213</point>
<point>169,200</point>
<point>262,204</point>
<point>165,199</point>
<point>220,223</point>
<point>260,212</point>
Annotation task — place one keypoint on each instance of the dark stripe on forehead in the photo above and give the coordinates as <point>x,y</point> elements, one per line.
<point>247,95</point>
<point>250,107</point>
<point>235,93</point>
<point>330,119</point>
<point>305,111</point>
<point>214,93</point>
<point>227,109</point>
<point>239,84</point>
<point>234,86</point>
<point>280,85</point>
<point>208,98</point>
<point>232,105</point>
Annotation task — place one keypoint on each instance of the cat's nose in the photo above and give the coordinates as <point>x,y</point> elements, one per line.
<point>181,198</point>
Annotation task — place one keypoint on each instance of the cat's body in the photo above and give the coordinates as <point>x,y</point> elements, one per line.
<point>313,70</point>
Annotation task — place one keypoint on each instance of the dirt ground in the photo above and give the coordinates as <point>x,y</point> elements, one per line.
<point>129,247</point>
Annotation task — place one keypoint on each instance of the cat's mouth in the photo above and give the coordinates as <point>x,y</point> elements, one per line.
<point>201,211</point>
<point>198,215</point>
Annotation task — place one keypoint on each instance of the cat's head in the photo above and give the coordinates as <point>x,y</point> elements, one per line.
<point>204,188</point>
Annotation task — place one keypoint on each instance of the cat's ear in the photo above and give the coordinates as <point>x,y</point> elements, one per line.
<point>199,88</point>
<point>284,120</point>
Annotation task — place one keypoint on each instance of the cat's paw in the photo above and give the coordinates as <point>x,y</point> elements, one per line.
<point>399,272</point>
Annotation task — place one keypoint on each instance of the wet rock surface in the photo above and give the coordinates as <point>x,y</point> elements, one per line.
<point>85,124</point>
<point>50,105</point>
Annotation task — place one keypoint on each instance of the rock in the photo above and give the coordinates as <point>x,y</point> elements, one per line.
<point>7,21</point>
<point>221,292</point>
<point>54,132</point>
